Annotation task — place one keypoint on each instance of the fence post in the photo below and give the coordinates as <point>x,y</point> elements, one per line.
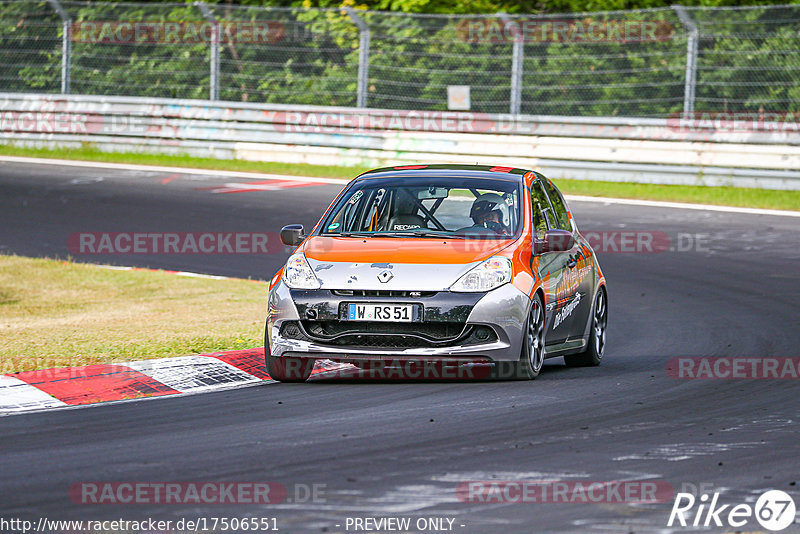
<point>363,56</point>
<point>213,89</point>
<point>517,55</point>
<point>66,45</point>
<point>691,61</point>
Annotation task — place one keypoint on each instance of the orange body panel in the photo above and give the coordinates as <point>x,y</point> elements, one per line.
<point>400,250</point>
<point>440,251</point>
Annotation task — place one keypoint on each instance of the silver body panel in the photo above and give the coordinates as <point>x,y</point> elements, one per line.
<point>504,309</point>
<point>405,276</point>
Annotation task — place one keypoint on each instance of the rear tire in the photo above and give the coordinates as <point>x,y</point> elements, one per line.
<point>593,355</point>
<point>531,356</point>
<point>286,369</point>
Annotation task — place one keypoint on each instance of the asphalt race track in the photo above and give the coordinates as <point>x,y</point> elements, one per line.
<point>401,448</point>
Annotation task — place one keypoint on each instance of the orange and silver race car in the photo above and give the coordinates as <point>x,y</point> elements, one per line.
<point>439,263</point>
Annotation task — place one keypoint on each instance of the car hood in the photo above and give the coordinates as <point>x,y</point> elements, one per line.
<point>409,264</point>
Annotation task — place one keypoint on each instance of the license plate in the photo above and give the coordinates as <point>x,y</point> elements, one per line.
<point>392,313</point>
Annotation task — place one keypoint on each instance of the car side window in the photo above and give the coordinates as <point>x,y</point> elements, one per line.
<point>540,207</point>
<point>560,208</point>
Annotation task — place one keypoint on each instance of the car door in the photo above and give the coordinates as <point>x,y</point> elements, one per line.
<point>576,302</point>
<point>553,267</point>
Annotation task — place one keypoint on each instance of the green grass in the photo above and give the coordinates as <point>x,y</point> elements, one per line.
<point>56,313</point>
<point>92,154</point>
<point>725,196</point>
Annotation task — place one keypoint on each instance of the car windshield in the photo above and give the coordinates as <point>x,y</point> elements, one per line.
<point>427,207</point>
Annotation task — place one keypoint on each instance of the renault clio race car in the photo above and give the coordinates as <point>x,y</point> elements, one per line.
<point>439,263</point>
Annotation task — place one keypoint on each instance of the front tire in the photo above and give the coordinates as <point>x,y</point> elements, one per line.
<point>286,369</point>
<point>531,356</point>
<point>593,354</point>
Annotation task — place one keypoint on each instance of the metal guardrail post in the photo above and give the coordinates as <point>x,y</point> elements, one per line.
<point>66,45</point>
<point>517,55</point>
<point>213,89</point>
<point>691,61</point>
<point>363,56</point>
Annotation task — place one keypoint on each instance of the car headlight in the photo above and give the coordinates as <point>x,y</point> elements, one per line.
<point>298,273</point>
<point>490,274</point>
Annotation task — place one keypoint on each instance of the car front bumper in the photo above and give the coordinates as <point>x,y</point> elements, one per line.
<point>503,310</point>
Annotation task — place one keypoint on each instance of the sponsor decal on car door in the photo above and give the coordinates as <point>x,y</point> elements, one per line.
<point>583,271</point>
<point>552,268</point>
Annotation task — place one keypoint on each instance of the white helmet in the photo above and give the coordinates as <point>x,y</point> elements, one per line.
<point>487,203</point>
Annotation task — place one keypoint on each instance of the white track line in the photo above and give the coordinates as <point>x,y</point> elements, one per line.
<point>683,206</point>
<point>167,271</point>
<point>181,170</point>
<point>262,176</point>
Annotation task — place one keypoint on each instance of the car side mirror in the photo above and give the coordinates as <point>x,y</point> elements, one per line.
<point>556,241</point>
<point>292,234</point>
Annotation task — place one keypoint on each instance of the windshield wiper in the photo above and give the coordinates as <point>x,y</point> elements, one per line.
<point>413,233</point>
<point>365,234</point>
<point>434,233</point>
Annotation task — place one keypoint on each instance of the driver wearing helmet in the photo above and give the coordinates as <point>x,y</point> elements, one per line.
<point>490,211</point>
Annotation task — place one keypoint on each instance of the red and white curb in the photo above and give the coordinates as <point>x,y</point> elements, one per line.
<point>91,384</point>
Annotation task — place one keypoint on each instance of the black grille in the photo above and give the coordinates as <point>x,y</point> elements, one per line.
<point>433,331</point>
<point>382,293</point>
<point>388,335</point>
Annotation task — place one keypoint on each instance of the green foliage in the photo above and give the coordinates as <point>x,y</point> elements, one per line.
<point>748,59</point>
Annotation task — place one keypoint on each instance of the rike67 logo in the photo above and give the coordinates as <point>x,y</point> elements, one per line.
<point>774,510</point>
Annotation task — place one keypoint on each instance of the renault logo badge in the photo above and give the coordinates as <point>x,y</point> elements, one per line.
<point>385,276</point>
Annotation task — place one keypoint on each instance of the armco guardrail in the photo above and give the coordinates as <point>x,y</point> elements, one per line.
<point>741,150</point>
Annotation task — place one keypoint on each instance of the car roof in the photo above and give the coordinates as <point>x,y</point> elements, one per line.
<point>467,171</point>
